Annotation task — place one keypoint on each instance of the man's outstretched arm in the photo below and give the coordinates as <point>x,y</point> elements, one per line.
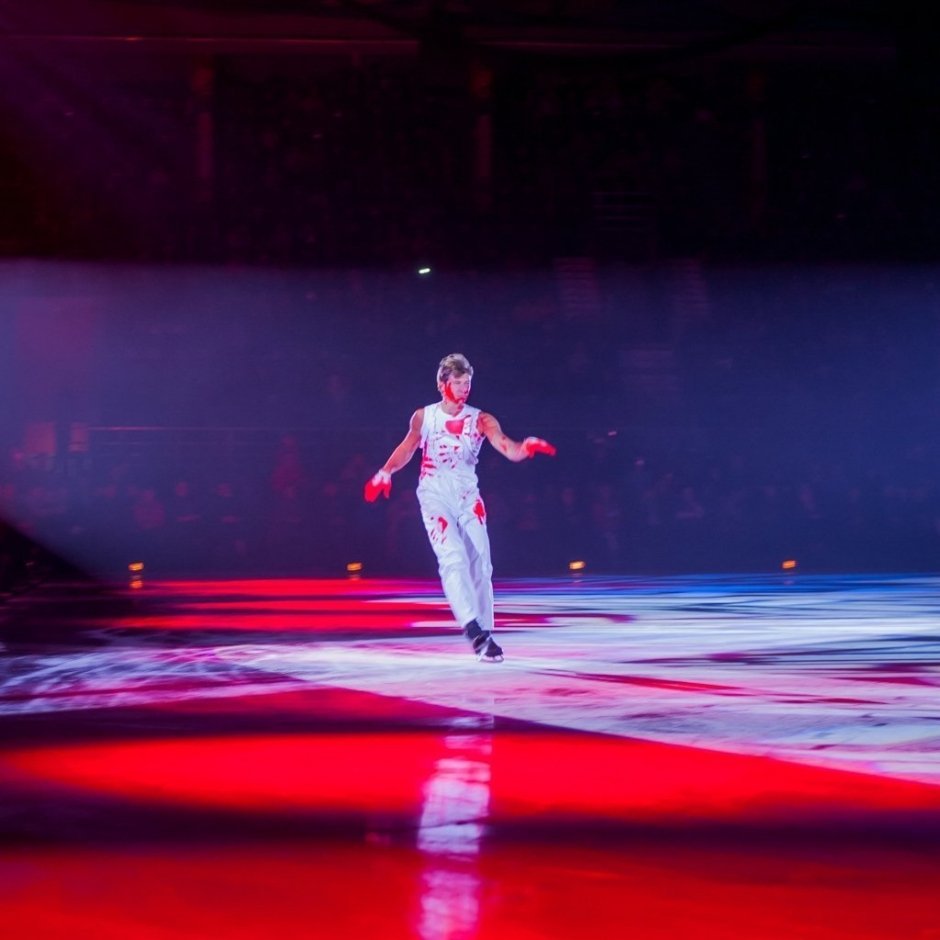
<point>515,451</point>
<point>381,482</point>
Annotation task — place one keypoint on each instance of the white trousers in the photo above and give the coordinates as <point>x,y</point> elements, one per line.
<point>455,520</point>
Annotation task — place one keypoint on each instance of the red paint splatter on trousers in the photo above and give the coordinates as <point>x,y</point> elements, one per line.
<point>479,510</point>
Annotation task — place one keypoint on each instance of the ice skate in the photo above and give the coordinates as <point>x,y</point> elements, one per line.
<point>486,648</point>
<point>490,651</point>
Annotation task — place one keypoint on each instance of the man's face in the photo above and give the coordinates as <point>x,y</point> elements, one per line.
<point>457,389</point>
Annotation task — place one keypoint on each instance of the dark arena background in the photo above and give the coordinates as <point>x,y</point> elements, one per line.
<point>695,245</point>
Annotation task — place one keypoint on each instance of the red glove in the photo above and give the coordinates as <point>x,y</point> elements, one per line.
<point>380,483</point>
<point>535,445</point>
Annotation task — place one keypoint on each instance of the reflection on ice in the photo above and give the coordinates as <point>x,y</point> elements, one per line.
<point>450,830</point>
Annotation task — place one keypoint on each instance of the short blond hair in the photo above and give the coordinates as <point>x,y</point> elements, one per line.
<point>454,364</point>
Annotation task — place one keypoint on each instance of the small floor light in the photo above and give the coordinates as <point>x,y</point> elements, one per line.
<point>136,571</point>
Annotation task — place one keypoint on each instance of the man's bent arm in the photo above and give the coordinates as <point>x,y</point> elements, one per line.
<point>406,449</point>
<point>381,482</point>
<point>516,451</point>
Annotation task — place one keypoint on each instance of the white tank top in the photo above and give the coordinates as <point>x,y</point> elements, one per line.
<point>450,445</point>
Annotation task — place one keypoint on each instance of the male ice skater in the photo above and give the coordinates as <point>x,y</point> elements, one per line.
<point>450,434</point>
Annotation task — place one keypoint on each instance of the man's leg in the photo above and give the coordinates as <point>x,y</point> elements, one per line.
<point>481,568</point>
<point>453,565</point>
<point>477,547</point>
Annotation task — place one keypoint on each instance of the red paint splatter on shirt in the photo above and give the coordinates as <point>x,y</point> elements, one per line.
<point>479,510</point>
<point>455,426</point>
<point>428,466</point>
